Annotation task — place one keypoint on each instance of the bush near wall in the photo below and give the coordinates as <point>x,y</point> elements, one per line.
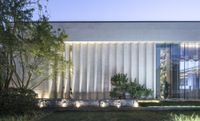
<point>121,85</point>
<point>17,101</point>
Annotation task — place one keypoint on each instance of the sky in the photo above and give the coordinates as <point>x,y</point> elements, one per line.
<point>124,10</point>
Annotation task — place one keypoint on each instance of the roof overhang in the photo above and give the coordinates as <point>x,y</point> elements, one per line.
<point>131,31</point>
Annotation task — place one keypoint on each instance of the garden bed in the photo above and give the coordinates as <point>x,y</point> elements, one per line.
<point>117,105</point>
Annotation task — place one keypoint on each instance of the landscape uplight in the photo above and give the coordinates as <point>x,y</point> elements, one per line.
<point>117,103</point>
<point>103,104</point>
<point>64,103</point>
<point>135,104</point>
<point>77,104</point>
<point>41,104</point>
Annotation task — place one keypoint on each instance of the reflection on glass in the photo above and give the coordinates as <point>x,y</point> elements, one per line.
<point>179,65</point>
<point>164,72</point>
<point>189,71</point>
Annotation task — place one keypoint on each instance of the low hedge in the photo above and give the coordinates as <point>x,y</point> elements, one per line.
<point>17,101</point>
<point>170,103</point>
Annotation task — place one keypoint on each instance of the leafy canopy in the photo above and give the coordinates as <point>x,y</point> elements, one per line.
<point>28,47</point>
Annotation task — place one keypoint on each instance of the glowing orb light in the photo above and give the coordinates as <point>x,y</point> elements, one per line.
<point>103,104</point>
<point>41,104</point>
<point>117,103</point>
<point>135,104</point>
<point>77,104</point>
<point>64,103</point>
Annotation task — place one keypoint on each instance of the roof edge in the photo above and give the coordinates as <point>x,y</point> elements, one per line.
<point>122,21</point>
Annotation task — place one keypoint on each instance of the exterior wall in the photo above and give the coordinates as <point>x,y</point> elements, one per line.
<point>98,50</point>
<point>95,64</point>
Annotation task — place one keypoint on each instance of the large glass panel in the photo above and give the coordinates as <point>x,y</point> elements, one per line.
<point>189,69</point>
<point>167,70</point>
<point>178,69</point>
<point>164,72</point>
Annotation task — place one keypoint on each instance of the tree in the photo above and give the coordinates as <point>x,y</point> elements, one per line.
<point>27,46</point>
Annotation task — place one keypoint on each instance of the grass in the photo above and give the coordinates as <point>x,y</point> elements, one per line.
<point>124,116</point>
<point>137,115</point>
<point>26,117</point>
<point>113,114</point>
<point>184,117</point>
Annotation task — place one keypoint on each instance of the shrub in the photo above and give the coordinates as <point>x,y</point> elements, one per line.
<point>137,91</point>
<point>33,116</point>
<point>121,86</point>
<point>119,83</point>
<point>17,101</point>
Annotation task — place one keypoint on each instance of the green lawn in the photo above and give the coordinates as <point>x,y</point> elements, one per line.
<point>25,117</point>
<point>138,115</point>
<point>115,116</point>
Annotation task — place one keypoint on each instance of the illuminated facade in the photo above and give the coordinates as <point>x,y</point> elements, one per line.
<point>163,56</point>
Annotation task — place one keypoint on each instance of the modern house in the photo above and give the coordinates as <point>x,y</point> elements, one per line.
<point>154,53</point>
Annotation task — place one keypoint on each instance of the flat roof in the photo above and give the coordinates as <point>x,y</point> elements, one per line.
<point>163,31</point>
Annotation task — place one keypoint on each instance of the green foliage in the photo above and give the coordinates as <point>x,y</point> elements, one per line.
<point>33,116</point>
<point>183,117</point>
<point>121,86</point>
<point>137,91</point>
<point>17,101</point>
<point>165,89</point>
<point>171,103</point>
<point>27,47</point>
<point>119,82</point>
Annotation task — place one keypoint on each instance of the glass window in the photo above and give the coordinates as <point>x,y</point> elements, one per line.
<point>179,67</point>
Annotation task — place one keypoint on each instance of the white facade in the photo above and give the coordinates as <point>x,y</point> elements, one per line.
<point>100,50</point>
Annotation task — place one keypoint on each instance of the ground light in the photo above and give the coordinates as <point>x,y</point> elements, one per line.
<point>135,104</point>
<point>117,103</point>
<point>77,104</point>
<point>64,103</point>
<point>149,101</point>
<point>41,104</point>
<point>103,104</point>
